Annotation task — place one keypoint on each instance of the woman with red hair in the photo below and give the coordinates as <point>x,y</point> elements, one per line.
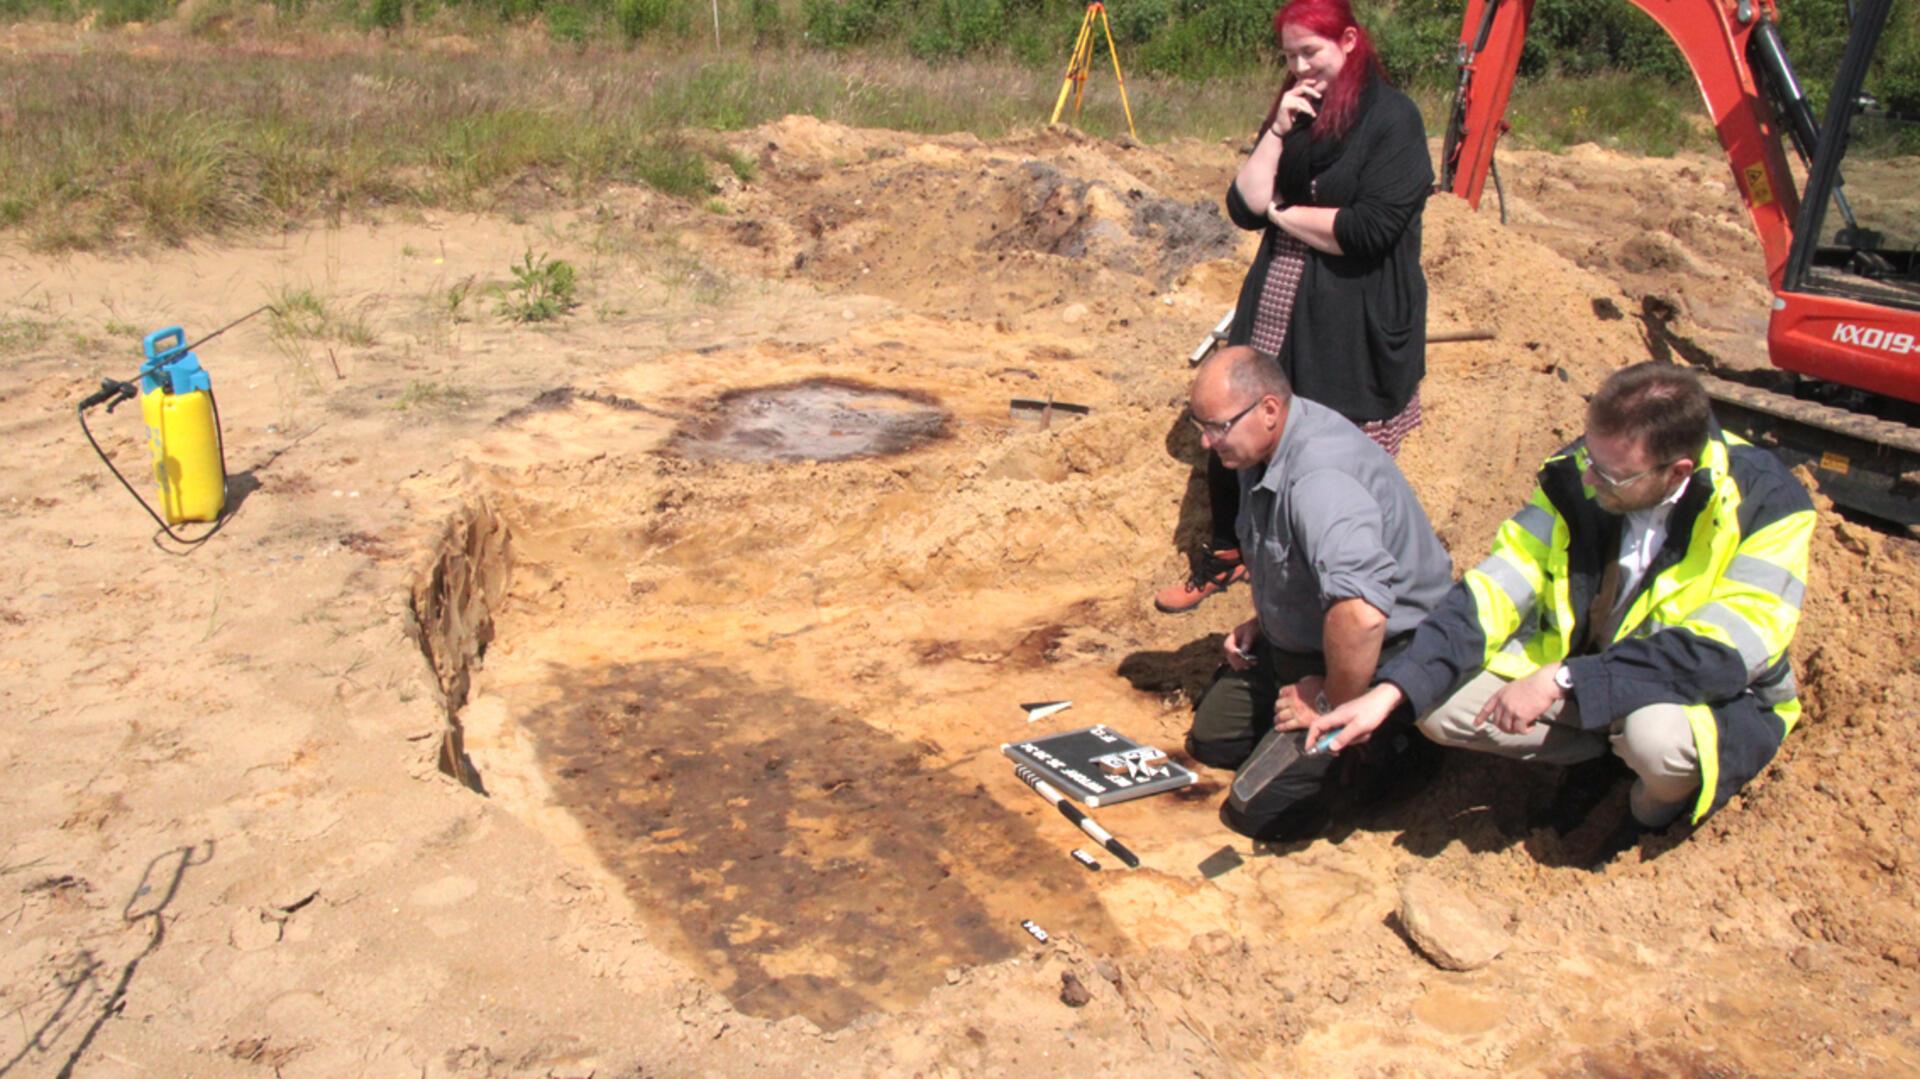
<point>1337,179</point>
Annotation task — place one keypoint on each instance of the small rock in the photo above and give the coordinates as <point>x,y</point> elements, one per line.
<point>953,975</point>
<point>1451,930</point>
<point>1106,969</point>
<point>1339,990</point>
<point>1213,943</point>
<point>1072,993</point>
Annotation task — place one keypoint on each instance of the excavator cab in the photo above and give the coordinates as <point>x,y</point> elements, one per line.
<point>1846,312</point>
<point>1857,236</point>
<point>1861,213</point>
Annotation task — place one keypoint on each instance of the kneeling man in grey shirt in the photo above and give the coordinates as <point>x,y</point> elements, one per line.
<point>1344,565</point>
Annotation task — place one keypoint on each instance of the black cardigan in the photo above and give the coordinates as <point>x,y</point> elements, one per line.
<point>1357,339</point>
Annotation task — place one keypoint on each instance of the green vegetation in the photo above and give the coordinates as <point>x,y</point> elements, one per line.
<point>303,313</point>
<point>440,397</point>
<point>1629,112</point>
<point>1192,39</point>
<point>542,290</point>
<point>102,144</point>
<point>745,169</point>
<point>450,302</point>
<point>543,98</point>
<point>21,334</point>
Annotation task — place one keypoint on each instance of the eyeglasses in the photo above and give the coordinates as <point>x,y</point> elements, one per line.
<point>1218,429</point>
<point>1615,484</point>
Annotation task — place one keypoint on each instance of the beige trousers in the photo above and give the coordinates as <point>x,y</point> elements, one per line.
<point>1655,741</point>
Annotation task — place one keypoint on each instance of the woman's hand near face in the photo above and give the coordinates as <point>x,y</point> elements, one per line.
<point>1302,99</point>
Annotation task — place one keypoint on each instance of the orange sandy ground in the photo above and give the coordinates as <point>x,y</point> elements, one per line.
<point>738,722</point>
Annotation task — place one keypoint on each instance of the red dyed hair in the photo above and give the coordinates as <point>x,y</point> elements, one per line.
<point>1340,108</point>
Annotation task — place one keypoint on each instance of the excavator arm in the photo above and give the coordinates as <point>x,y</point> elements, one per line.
<point>1728,45</point>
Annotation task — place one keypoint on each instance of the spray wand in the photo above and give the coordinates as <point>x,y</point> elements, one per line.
<point>173,374</point>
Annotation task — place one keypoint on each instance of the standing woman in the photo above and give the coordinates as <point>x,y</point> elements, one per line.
<point>1337,179</point>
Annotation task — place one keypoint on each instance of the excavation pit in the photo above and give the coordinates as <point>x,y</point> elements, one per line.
<point>682,684</point>
<point>821,419</point>
<point>763,706</point>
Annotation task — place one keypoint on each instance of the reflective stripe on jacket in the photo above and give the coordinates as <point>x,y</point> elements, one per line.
<point>1707,627</point>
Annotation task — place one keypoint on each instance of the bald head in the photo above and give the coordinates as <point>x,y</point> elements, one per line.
<point>1239,403</point>
<point>1244,374</point>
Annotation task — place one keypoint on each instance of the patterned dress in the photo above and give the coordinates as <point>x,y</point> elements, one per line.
<point>1270,333</point>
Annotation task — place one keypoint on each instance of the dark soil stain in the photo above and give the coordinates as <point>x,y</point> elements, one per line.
<point>1666,1062</point>
<point>1039,647</point>
<point>811,863</point>
<point>564,396</point>
<point>822,419</point>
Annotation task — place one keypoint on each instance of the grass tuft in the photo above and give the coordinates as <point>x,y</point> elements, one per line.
<point>301,313</point>
<point>23,334</point>
<point>441,397</point>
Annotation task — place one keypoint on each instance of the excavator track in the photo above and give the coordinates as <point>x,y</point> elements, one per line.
<point>1862,462</point>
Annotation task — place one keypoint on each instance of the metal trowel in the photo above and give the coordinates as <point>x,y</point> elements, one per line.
<point>1044,412</point>
<point>1277,752</point>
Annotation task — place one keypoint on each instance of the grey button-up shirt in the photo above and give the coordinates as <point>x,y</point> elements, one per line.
<point>1329,517</point>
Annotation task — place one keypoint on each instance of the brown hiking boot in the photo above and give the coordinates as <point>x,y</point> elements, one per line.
<point>1213,571</point>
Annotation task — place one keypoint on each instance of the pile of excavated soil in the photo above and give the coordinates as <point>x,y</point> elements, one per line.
<point>736,713</point>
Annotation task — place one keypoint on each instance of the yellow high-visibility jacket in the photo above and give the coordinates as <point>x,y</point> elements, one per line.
<point>1707,627</point>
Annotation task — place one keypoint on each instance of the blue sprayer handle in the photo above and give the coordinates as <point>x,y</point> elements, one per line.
<point>169,365</point>
<point>157,355</point>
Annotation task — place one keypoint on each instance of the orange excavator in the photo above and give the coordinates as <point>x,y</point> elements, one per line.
<point>1842,248</point>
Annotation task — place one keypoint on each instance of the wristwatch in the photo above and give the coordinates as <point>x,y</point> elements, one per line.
<point>1564,678</point>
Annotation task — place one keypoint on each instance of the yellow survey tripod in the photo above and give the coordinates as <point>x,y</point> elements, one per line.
<point>1080,67</point>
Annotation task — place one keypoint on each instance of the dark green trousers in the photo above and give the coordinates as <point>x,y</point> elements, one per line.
<point>1237,712</point>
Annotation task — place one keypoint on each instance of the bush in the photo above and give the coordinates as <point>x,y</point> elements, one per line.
<point>768,23</point>
<point>670,168</point>
<point>837,24</point>
<point>120,12</point>
<point>638,18</point>
<point>1136,22</point>
<point>1580,37</point>
<point>542,290</point>
<point>385,14</point>
<point>955,27</point>
<point>1416,39</point>
<point>1207,38</point>
<point>566,22</point>
<point>1896,73</point>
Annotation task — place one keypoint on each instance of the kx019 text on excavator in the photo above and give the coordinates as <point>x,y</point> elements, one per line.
<point>1842,251</point>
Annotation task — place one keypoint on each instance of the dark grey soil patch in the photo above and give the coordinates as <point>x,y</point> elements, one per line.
<point>808,862</point>
<point>819,419</point>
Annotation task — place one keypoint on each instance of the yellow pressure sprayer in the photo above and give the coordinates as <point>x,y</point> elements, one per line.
<point>183,430</point>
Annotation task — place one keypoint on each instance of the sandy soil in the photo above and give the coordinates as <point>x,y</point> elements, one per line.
<point>736,719</point>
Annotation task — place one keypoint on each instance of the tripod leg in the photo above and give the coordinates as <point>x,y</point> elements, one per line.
<point>1085,69</point>
<point>1107,27</point>
<point>1073,64</point>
